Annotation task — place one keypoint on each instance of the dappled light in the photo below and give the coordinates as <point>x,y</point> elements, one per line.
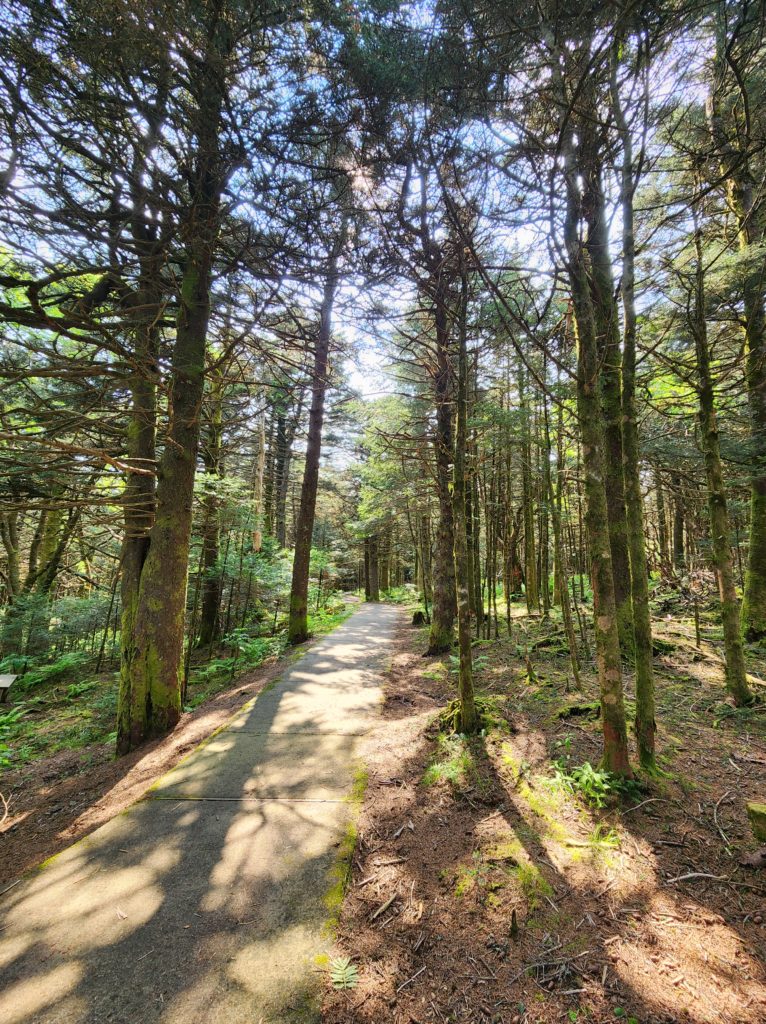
<point>382,512</point>
<point>228,864</point>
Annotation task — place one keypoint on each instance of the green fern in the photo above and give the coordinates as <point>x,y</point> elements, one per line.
<point>343,973</point>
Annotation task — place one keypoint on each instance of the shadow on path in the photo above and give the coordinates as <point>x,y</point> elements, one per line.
<point>207,901</point>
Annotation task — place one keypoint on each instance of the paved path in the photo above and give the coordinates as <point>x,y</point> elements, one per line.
<point>207,901</point>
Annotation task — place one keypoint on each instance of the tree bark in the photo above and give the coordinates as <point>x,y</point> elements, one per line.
<point>152,648</point>
<point>645,723</point>
<point>444,605</point>
<point>209,625</point>
<point>578,173</point>
<point>304,528</point>
<point>736,673</point>
<point>468,716</point>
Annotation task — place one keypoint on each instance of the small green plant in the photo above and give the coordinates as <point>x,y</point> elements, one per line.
<point>619,1012</point>
<point>78,689</point>
<point>479,663</point>
<point>67,664</point>
<point>566,744</point>
<point>8,721</point>
<point>594,785</point>
<point>605,838</point>
<point>454,762</point>
<point>343,973</point>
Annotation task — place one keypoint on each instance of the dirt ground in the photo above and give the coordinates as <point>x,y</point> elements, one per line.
<point>483,890</point>
<point>55,801</point>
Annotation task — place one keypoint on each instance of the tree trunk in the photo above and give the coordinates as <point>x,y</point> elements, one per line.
<point>730,129</point>
<point>645,723</point>
<point>281,478</point>
<point>530,561</point>
<point>209,625</point>
<point>579,169</point>
<point>304,528</point>
<point>662,523</point>
<point>444,600</point>
<point>679,557</point>
<point>736,673</point>
<point>152,654</point>
<point>259,467</point>
<point>559,548</point>
<point>601,280</point>
<point>468,716</point>
<point>373,568</point>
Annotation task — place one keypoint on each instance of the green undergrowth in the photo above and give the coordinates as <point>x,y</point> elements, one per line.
<point>490,709</point>
<point>66,705</point>
<point>454,762</point>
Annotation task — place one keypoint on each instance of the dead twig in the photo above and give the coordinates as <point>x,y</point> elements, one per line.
<point>715,818</point>
<point>404,984</point>
<point>384,906</point>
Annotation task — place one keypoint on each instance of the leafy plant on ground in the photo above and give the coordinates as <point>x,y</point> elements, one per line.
<point>343,973</point>
<point>67,664</point>
<point>595,785</point>
<point>78,689</point>
<point>8,721</point>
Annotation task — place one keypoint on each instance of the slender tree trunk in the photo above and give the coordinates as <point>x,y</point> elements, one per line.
<point>530,561</point>
<point>645,723</point>
<point>259,468</point>
<point>373,554</point>
<point>606,320</point>
<point>662,522</point>
<point>578,171</point>
<point>679,556</point>
<point>298,625</point>
<point>367,591</point>
<point>730,129</point>
<point>468,715</point>
<point>559,548</point>
<point>444,608</point>
<point>281,479</point>
<point>736,673</point>
<point>211,577</point>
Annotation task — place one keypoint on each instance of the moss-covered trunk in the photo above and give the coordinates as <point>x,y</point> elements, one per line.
<point>581,168</point>
<point>723,561</point>
<point>736,93</point>
<point>152,649</point>
<point>153,620</point>
<point>645,723</point>
<point>606,320</point>
<point>209,626</point>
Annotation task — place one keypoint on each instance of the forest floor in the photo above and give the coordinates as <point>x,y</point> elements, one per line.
<point>70,785</point>
<point>487,888</point>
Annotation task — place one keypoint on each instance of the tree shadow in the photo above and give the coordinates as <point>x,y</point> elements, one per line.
<point>601,934</point>
<point>185,909</point>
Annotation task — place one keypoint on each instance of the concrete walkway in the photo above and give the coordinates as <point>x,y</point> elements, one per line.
<point>207,901</point>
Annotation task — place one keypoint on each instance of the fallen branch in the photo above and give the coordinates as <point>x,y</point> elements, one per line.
<point>384,906</point>
<point>696,874</point>
<point>415,975</point>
